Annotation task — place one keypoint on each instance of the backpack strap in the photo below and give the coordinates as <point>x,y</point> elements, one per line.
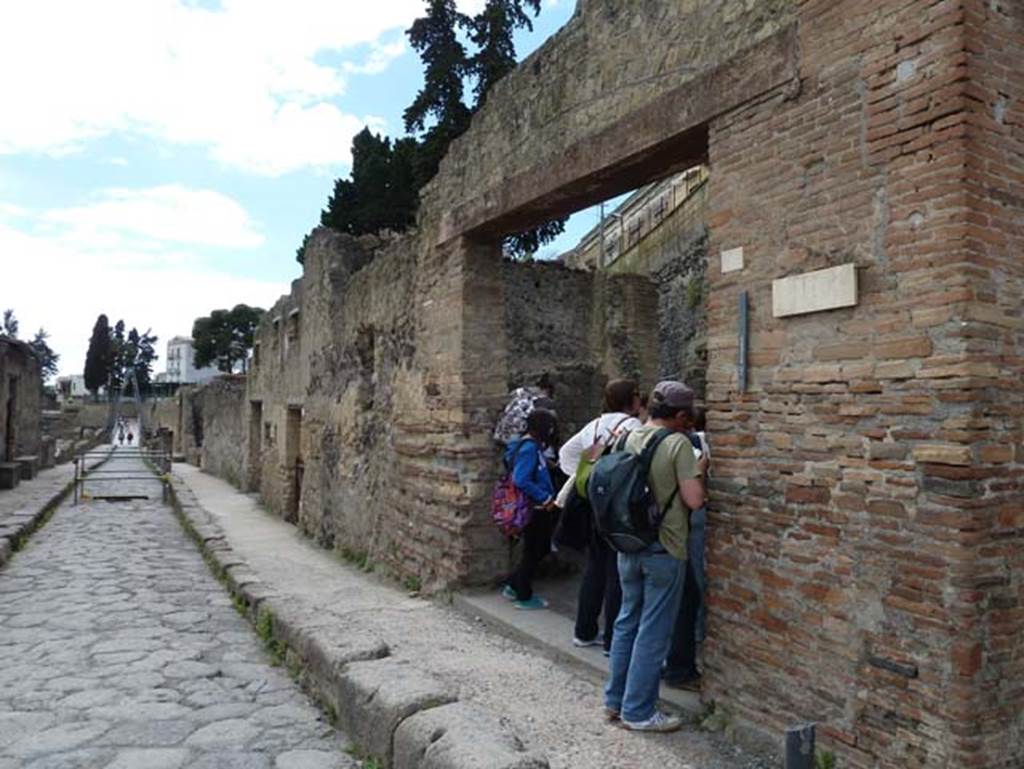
<point>647,456</point>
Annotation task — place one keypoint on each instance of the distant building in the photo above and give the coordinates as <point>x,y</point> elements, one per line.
<point>72,386</point>
<point>181,363</point>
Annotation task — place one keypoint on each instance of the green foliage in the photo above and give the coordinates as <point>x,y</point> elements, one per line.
<point>694,293</point>
<point>99,357</point>
<point>412,583</point>
<point>824,759</point>
<point>225,337</point>
<point>717,718</point>
<point>491,31</point>
<point>47,357</point>
<point>9,325</point>
<point>381,193</point>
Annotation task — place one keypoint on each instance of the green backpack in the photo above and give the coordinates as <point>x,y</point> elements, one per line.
<point>597,450</point>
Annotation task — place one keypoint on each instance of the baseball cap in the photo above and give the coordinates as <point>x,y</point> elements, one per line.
<point>673,394</point>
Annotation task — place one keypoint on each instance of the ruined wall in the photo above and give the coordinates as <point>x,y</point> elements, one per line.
<point>582,328</point>
<point>682,309</point>
<point>20,385</point>
<point>221,404</point>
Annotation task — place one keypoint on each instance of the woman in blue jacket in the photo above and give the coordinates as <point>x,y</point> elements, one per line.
<point>525,456</point>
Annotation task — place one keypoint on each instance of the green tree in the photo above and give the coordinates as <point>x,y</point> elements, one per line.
<point>99,357</point>
<point>381,193</point>
<point>491,31</point>
<point>9,325</point>
<point>47,357</point>
<point>224,337</point>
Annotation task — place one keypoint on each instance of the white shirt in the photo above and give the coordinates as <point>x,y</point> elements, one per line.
<point>599,429</point>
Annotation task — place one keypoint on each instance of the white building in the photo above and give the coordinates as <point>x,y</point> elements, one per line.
<point>72,386</point>
<point>180,363</point>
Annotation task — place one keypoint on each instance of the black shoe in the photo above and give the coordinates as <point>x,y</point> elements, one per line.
<point>690,684</point>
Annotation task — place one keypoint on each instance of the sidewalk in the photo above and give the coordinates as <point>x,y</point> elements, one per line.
<point>24,507</point>
<point>388,663</point>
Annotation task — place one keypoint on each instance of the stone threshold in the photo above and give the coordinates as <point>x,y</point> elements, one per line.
<point>402,717</point>
<point>16,528</point>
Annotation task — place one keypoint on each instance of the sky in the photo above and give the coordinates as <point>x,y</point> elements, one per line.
<point>163,158</point>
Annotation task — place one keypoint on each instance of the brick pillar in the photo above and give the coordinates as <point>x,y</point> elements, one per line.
<point>866,531</point>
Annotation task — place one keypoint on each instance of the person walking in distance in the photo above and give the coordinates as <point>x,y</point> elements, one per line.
<point>652,579</point>
<point>525,457</point>
<point>599,588</point>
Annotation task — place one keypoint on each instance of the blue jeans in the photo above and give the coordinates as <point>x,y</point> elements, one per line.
<point>652,583</point>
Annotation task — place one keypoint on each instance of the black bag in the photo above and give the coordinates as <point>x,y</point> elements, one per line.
<point>626,512</point>
<point>574,526</point>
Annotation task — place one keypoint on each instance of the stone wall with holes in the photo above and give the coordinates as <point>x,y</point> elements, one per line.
<point>345,397</point>
<point>20,406</point>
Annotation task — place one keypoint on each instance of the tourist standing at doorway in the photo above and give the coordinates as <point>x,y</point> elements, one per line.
<point>681,670</point>
<point>652,579</point>
<point>525,458</point>
<point>599,588</point>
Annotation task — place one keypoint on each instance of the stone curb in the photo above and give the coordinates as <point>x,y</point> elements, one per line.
<point>16,529</point>
<point>401,716</point>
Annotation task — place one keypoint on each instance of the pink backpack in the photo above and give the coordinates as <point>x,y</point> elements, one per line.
<point>510,508</point>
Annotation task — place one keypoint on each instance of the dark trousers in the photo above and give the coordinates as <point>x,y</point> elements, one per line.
<point>600,589</point>
<point>536,544</point>
<point>681,664</point>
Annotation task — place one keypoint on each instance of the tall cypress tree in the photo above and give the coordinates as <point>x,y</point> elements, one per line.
<point>98,358</point>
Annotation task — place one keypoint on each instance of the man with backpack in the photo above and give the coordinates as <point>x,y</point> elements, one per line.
<point>642,494</point>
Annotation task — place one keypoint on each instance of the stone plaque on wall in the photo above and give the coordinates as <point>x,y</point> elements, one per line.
<point>815,291</point>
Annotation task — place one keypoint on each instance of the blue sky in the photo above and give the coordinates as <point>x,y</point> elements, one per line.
<point>161,158</point>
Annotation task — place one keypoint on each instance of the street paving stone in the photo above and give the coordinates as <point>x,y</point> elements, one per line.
<point>120,649</point>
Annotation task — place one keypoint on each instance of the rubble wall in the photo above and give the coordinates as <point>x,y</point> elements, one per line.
<point>21,381</point>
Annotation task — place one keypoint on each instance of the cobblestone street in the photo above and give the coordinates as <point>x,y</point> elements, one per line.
<point>120,649</point>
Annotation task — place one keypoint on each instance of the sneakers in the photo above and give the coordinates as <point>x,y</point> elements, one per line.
<point>508,592</point>
<point>659,722</point>
<point>596,641</point>
<point>532,603</point>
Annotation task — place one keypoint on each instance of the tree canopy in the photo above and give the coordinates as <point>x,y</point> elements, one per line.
<point>44,353</point>
<point>382,192</point>
<point>99,356</point>
<point>9,325</point>
<point>224,337</point>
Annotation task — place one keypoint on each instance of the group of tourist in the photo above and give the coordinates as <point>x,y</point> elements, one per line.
<point>652,598</point>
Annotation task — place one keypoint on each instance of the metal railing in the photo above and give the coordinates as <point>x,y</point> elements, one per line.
<point>86,471</point>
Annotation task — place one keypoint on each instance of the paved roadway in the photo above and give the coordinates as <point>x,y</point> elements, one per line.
<point>118,649</point>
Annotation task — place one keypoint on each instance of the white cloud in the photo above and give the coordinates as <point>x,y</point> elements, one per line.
<point>167,214</point>
<point>63,284</point>
<point>242,79</point>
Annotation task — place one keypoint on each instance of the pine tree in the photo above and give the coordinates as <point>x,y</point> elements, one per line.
<point>438,111</point>
<point>44,353</point>
<point>491,31</point>
<point>381,193</point>
<point>99,357</point>
<point>9,325</point>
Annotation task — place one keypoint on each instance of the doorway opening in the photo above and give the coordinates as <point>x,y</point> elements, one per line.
<point>294,466</point>
<point>255,464</point>
<point>11,420</point>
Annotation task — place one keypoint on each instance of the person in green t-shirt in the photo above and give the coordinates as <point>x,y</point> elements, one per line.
<point>652,580</point>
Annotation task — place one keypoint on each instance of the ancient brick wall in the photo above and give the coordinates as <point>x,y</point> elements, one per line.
<point>856,578</point>
<point>989,658</point>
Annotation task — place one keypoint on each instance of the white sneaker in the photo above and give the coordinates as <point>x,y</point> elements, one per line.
<point>659,722</point>
<point>595,641</point>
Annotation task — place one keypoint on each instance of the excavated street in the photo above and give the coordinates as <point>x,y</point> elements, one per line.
<point>120,649</point>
